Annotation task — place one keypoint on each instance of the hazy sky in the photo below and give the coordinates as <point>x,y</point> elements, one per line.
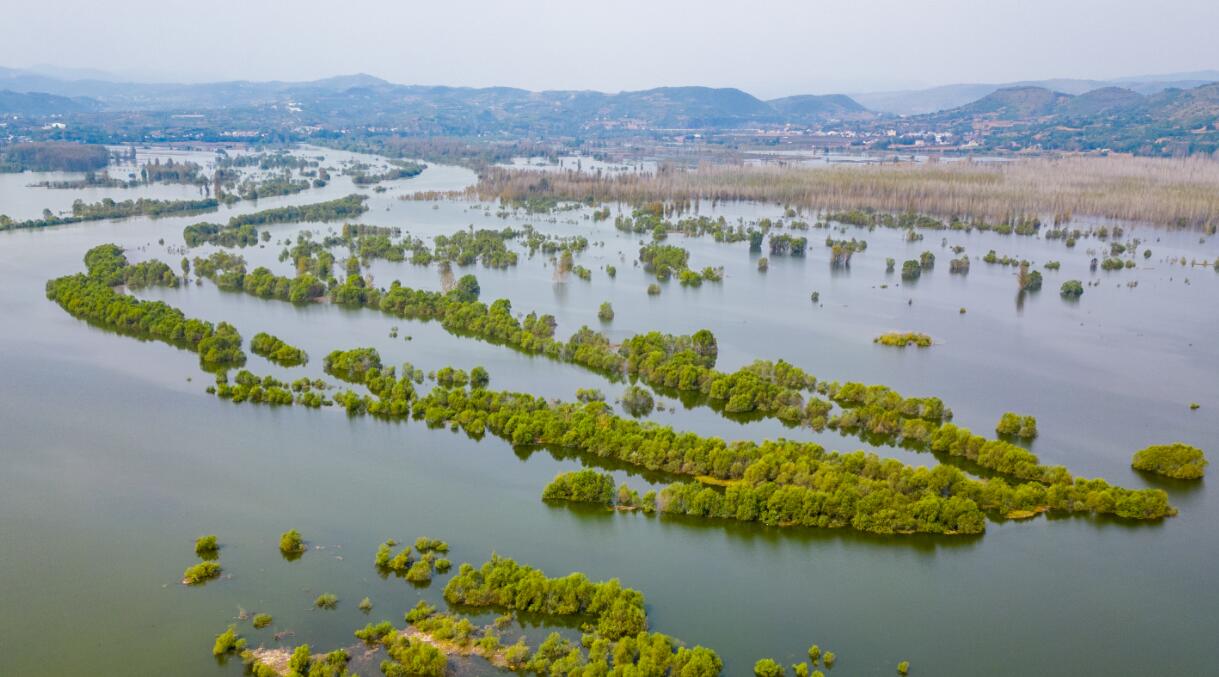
<point>769,48</point>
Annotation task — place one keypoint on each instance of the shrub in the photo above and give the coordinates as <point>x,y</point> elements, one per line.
<point>375,633</point>
<point>326,600</point>
<point>290,544</point>
<point>581,486</point>
<point>637,401</point>
<point>420,611</point>
<point>501,582</point>
<point>1030,280</point>
<point>590,395</point>
<point>277,351</point>
<point>228,642</point>
<point>424,544</point>
<point>384,553</point>
<point>911,270</point>
<point>206,546</point>
<point>1072,289</point>
<point>1172,460</point>
<point>767,667</point>
<point>903,339</point>
<point>365,605</point>
<point>298,664</point>
<point>606,312</point>
<point>420,571</point>
<point>479,378</point>
<point>418,659</point>
<point>201,573</point>
<point>903,668</point>
<point>653,289</point>
<point>262,620</point>
<point>1024,427</point>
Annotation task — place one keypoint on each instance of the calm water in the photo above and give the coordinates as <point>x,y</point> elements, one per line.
<point>114,459</point>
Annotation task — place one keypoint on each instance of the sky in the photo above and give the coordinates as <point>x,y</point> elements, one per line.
<point>766,47</point>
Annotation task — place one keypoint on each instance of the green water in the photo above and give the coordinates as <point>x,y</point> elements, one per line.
<point>112,457</point>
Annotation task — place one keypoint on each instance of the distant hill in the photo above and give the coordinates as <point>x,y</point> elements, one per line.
<point>1014,103</point>
<point>947,97</point>
<point>367,99</point>
<point>25,103</point>
<point>1100,101</point>
<point>1171,121</point>
<point>1195,108</point>
<point>806,106</point>
<point>1166,116</point>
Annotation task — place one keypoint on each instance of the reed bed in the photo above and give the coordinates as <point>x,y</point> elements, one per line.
<point>1160,191</point>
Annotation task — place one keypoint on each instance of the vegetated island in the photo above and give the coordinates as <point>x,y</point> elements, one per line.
<point>903,339</point>
<point>807,500</point>
<point>1177,460</point>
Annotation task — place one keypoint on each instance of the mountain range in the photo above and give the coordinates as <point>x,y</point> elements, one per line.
<point>1153,114</point>
<point>112,94</point>
<point>662,106</point>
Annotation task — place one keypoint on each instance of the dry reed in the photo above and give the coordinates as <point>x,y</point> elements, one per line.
<point>1177,192</point>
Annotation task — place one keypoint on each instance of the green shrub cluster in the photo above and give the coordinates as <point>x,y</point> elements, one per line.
<point>831,487</point>
<point>581,486</point>
<point>200,573</point>
<point>352,365</point>
<point>207,547</point>
<point>502,583</point>
<point>291,544</point>
<point>637,401</point>
<point>1015,425</point>
<point>276,350</point>
<point>347,207</point>
<point>91,297</point>
<point>202,233</point>
<point>229,273</point>
<point>486,246</point>
<point>1072,289</point>
<point>782,244</point>
<point>1178,460</point>
<point>903,339</point>
<point>663,260</point>
<point>250,388</point>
